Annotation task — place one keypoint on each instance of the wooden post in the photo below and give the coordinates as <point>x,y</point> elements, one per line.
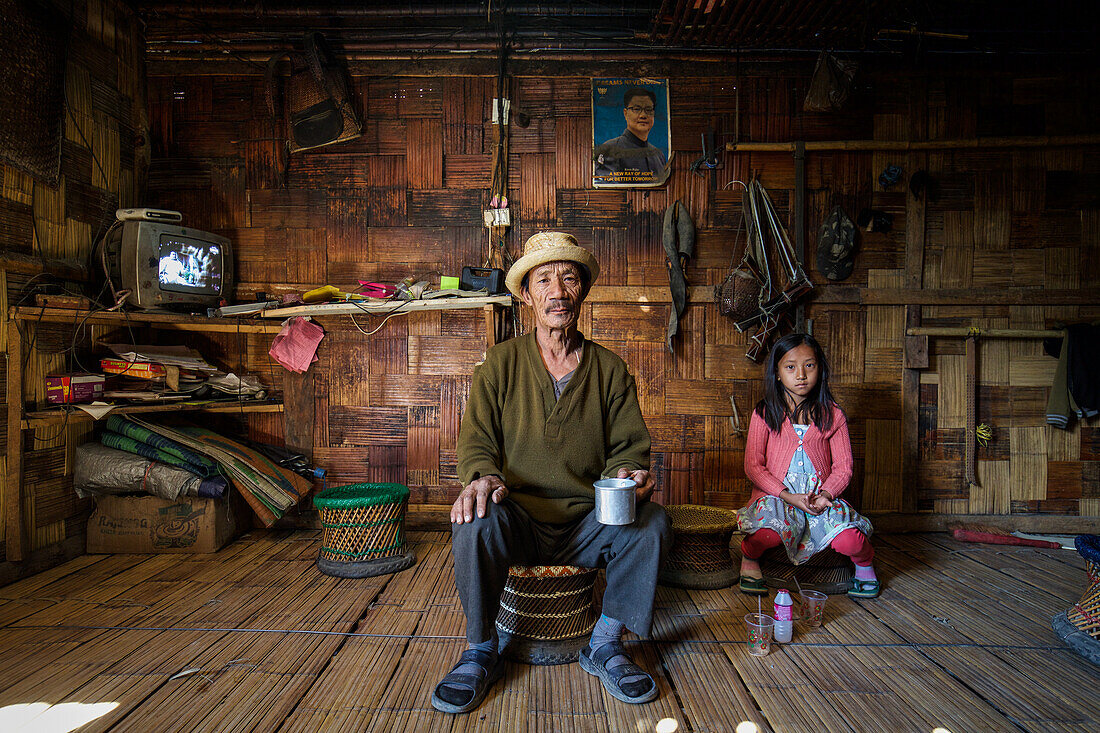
<point>798,223</point>
<point>490,326</point>
<point>13,482</point>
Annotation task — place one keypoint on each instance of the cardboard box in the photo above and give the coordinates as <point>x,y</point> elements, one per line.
<point>151,524</point>
<point>79,387</point>
<point>137,369</point>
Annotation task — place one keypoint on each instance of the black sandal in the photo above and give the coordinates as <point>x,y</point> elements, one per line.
<point>461,693</point>
<point>632,692</point>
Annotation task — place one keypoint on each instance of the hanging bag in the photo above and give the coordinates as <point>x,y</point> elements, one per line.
<point>739,295</point>
<point>318,107</point>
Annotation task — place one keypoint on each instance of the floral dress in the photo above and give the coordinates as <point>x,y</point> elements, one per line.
<point>803,535</point>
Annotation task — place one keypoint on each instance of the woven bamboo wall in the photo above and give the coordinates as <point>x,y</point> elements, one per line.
<point>103,161</point>
<point>405,198</point>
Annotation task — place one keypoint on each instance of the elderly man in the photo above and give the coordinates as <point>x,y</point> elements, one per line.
<point>549,413</point>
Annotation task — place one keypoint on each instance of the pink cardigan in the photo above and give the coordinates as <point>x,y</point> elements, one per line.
<point>768,455</point>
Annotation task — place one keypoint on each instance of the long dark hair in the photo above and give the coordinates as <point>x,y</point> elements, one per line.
<point>818,405</point>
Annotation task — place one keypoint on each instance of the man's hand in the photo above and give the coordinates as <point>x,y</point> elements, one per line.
<point>644,480</point>
<point>477,494</point>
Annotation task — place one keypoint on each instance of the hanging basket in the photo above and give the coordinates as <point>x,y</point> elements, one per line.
<point>363,530</point>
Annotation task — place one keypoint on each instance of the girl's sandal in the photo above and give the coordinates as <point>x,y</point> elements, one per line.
<point>753,586</point>
<point>864,588</point>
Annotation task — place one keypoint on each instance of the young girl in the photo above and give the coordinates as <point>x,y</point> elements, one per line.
<point>799,459</point>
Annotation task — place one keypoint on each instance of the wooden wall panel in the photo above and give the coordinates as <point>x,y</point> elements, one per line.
<point>406,200</point>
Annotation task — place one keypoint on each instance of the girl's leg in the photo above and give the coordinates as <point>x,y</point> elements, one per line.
<point>854,544</point>
<point>753,546</point>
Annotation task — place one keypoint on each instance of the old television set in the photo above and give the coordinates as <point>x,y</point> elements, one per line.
<point>164,265</point>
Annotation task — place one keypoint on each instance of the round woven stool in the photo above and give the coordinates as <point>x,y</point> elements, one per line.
<point>363,530</point>
<point>700,552</point>
<point>1079,627</point>
<point>546,613</point>
<point>826,572</point>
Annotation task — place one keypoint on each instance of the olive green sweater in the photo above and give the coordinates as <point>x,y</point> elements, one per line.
<point>550,452</point>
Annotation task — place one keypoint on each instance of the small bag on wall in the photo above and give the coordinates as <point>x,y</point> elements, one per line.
<point>318,106</point>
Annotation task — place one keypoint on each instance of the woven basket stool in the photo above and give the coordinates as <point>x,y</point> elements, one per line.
<point>364,530</point>
<point>827,572</point>
<point>1079,627</point>
<point>546,613</point>
<point>700,552</point>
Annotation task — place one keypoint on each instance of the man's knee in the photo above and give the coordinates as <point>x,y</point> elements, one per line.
<point>478,532</point>
<point>652,521</point>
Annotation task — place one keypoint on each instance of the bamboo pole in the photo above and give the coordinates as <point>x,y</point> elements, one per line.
<point>964,332</point>
<point>1041,141</point>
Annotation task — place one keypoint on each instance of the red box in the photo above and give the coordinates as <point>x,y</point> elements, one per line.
<point>80,387</point>
<point>136,369</point>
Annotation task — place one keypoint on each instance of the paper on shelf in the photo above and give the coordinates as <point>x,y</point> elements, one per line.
<point>96,409</point>
<point>181,356</point>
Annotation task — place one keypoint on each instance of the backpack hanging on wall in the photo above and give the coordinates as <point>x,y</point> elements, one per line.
<point>318,106</point>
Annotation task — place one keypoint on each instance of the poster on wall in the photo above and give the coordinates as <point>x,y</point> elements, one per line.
<point>631,141</point>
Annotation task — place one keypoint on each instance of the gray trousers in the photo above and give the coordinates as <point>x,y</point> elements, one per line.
<point>507,535</point>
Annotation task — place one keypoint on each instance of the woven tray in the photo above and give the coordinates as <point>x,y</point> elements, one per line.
<point>546,613</point>
<point>700,552</point>
<point>363,530</point>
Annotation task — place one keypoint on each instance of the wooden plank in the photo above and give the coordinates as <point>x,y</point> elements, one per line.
<point>14,536</point>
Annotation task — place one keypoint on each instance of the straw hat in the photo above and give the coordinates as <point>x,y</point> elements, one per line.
<point>546,247</point>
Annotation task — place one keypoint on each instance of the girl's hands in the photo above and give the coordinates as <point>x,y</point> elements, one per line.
<point>820,501</point>
<point>805,502</point>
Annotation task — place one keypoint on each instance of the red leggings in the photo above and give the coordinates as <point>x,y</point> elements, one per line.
<point>850,542</point>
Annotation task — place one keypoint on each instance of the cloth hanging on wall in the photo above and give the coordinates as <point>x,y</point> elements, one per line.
<point>678,238</point>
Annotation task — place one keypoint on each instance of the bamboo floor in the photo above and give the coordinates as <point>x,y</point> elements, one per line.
<point>254,638</point>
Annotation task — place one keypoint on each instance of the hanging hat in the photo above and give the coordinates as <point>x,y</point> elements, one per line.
<point>835,244</point>
<point>550,247</point>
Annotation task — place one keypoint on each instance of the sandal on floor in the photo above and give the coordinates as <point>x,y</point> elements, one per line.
<point>865,588</point>
<point>753,586</point>
<point>461,693</point>
<point>633,692</point>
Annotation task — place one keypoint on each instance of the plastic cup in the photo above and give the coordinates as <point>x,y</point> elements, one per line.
<point>813,607</point>
<point>759,628</point>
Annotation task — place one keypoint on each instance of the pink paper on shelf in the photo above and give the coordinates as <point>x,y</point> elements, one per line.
<point>295,347</point>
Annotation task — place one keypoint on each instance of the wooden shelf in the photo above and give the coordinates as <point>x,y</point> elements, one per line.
<point>172,321</point>
<point>43,418</point>
<point>385,307</point>
<point>15,533</point>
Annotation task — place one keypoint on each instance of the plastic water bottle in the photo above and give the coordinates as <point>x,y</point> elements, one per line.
<point>783,616</point>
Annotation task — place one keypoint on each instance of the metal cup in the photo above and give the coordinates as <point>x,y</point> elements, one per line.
<point>615,500</point>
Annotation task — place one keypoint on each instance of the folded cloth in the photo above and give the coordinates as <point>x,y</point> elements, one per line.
<point>123,434</point>
<point>295,346</point>
<point>98,469</point>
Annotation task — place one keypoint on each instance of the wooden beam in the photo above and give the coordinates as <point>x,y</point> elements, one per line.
<point>962,332</point>
<point>32,265</point>
<point>1042,141</point>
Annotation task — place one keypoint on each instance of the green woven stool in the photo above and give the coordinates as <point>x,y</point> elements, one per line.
<point>364,530</point>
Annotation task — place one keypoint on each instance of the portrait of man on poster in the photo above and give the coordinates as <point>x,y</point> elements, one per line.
<point>630,132</point>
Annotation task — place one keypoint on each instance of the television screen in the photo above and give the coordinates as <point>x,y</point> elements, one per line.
<point>189,265</point>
